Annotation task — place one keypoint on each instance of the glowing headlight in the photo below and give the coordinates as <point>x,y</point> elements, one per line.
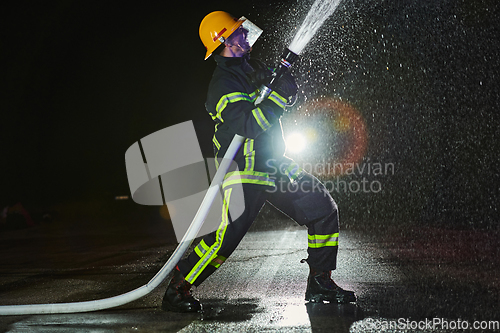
<point>295,142</point>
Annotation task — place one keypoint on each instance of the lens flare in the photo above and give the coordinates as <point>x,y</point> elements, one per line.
<point>295,142</point>
<point>334,135</point>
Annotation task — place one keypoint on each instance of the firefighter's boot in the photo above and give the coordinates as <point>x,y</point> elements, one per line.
<point>321,287</point>
<point>178,296</point>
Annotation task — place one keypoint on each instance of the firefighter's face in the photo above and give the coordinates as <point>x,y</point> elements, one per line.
<point>238,42</point>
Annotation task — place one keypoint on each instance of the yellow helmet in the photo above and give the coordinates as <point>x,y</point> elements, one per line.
<point>215,28</point>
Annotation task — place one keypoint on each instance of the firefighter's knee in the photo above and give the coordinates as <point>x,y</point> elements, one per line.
<point>315,206</point>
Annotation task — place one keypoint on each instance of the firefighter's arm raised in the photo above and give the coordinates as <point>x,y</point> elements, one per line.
<point>236,109</point>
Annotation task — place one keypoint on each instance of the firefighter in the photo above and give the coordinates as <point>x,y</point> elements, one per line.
<point>264,173</point>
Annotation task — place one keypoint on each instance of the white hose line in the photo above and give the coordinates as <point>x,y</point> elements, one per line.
<point>132,295</point>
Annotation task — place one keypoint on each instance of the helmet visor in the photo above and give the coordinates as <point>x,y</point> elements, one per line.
<point>253,30</point>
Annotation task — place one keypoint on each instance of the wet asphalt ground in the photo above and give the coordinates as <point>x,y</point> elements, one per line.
<point>405,275</point>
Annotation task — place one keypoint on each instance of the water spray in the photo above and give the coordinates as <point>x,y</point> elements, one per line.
<point>319,12</point>
<point>317,15</point>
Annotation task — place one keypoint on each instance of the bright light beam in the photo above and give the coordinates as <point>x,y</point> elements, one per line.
<point>295,142</point>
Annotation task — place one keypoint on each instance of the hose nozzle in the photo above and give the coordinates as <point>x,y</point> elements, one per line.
<point>287,59</point>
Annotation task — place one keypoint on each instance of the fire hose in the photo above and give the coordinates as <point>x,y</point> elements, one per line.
<point>320,10</point>
<point>110,302</point>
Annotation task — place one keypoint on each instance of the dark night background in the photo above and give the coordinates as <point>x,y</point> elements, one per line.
<point>84,80</point>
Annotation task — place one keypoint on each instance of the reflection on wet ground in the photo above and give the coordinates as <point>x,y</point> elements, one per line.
<point>396,275</point>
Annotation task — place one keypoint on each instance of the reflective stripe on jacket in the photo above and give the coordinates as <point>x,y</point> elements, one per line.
<point>230,103</point>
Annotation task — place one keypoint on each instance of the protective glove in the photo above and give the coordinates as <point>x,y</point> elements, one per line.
<point>287,87</point>
<point>261,74</point>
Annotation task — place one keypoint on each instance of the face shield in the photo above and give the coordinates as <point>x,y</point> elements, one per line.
<point>253,31</point>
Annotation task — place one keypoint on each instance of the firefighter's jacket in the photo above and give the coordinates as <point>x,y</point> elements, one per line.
<point>230,102</point>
